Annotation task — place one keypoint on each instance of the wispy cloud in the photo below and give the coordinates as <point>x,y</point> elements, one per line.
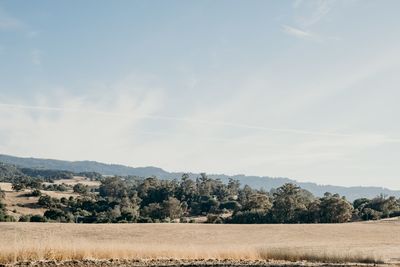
<point>62,131</point>
<point>313,11</point>
<point>300,33</point>
<point>189,120</point>
<point>297,3</point>
<point>36,56</point>
<point>307,14</point>
<point>9,23</point>
<point>32,34</point>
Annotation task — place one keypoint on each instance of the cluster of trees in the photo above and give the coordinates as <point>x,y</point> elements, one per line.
<point>377,208</point>
<point>27,182</point>
<point>13,174</point>
<point>132,199</point>
<point>55,187</point>
<point>4,217</point>
<point>27,178</point>
<point>291,204</point>
<point>47,175</point>
<point>10,173</point>
<point>153,200</point>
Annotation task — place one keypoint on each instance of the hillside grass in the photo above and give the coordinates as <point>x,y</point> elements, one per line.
<point>18,203</point>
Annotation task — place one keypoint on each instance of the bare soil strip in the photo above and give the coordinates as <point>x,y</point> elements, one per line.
<point>181,263</point>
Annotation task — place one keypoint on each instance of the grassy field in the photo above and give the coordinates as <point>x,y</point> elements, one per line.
<point>353,241</point>
<point>18,203</point>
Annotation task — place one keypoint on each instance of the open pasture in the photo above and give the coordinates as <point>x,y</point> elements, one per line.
<point>35,241</point>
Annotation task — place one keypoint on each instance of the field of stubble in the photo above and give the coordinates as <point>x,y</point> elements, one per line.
<point>188,242</point>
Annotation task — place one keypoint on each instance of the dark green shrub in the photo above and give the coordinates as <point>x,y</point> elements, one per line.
<point>58,215</point>
<point>81,189</point>
<point>230,205</point>
<point>37,218</point>
<point>25,218</point>
<point>250,217</point>
<point>36,193</point>
<point>214,218</point>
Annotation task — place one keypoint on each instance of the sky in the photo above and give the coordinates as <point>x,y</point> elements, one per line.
<point>301,89</point>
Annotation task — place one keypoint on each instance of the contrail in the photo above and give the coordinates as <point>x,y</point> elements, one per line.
<point>179,119</point>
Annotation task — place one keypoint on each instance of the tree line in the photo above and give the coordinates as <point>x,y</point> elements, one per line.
<point>136,200</point>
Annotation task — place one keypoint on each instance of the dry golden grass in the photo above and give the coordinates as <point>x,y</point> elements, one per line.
<point>317,256</point>
<point>18,203</point>
<point>6,187</point>
<point>78,179</point>
<point>59,195</point>
<point>359,242</point>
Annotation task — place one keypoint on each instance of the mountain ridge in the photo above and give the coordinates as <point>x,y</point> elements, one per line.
<point>265,182</point>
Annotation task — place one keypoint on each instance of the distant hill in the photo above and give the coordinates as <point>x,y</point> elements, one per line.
<point>83,166</point>
<point>254,181</point>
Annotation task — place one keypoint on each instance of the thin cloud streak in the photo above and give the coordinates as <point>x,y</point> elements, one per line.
<point>316,10</point>
<point>187,120</point>
<point>299,33</point>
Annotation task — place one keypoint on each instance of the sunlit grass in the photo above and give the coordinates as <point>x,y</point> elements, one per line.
<point>287,254</point>
<point>58,250</point>
<point>348,243</point>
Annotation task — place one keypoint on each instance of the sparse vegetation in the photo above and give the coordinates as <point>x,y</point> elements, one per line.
<point>4,217</point>
<point>317,256</point>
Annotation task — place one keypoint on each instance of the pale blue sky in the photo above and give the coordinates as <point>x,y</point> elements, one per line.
<point>300,89</point>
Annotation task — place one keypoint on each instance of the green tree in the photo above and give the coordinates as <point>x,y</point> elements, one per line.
<point>335,209</point>
<point>249,217</point>
<point>58,215</point>
<point>172,208</point>
<point>2,194</point>
<point>153,211</point>
<point>47,201</point>
<point>314,212</point>
<point>204,185</point>
<point>233,187</point>
<point>360,203</point>
<point>245,194</point>
<point>288,205</point>
<point>113,187</point>
<point>258,201</point>
<point>187,188</point>
<point>4,217</point>
<point>80,189</point>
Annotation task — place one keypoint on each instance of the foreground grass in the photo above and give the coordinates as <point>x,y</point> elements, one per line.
<point>82,251</point>
<point>345,243</point>
<point>324,257</point>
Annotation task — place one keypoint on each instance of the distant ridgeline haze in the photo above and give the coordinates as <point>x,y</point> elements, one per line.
<point>256,182</point>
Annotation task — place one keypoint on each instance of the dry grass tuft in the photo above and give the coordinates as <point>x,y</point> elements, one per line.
<point>287,254</point>
<point>59,250</point>
<point>64,250</point>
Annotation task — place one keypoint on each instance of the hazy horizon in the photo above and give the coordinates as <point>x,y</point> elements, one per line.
<point>199,172</point>
<point>299,89</point>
